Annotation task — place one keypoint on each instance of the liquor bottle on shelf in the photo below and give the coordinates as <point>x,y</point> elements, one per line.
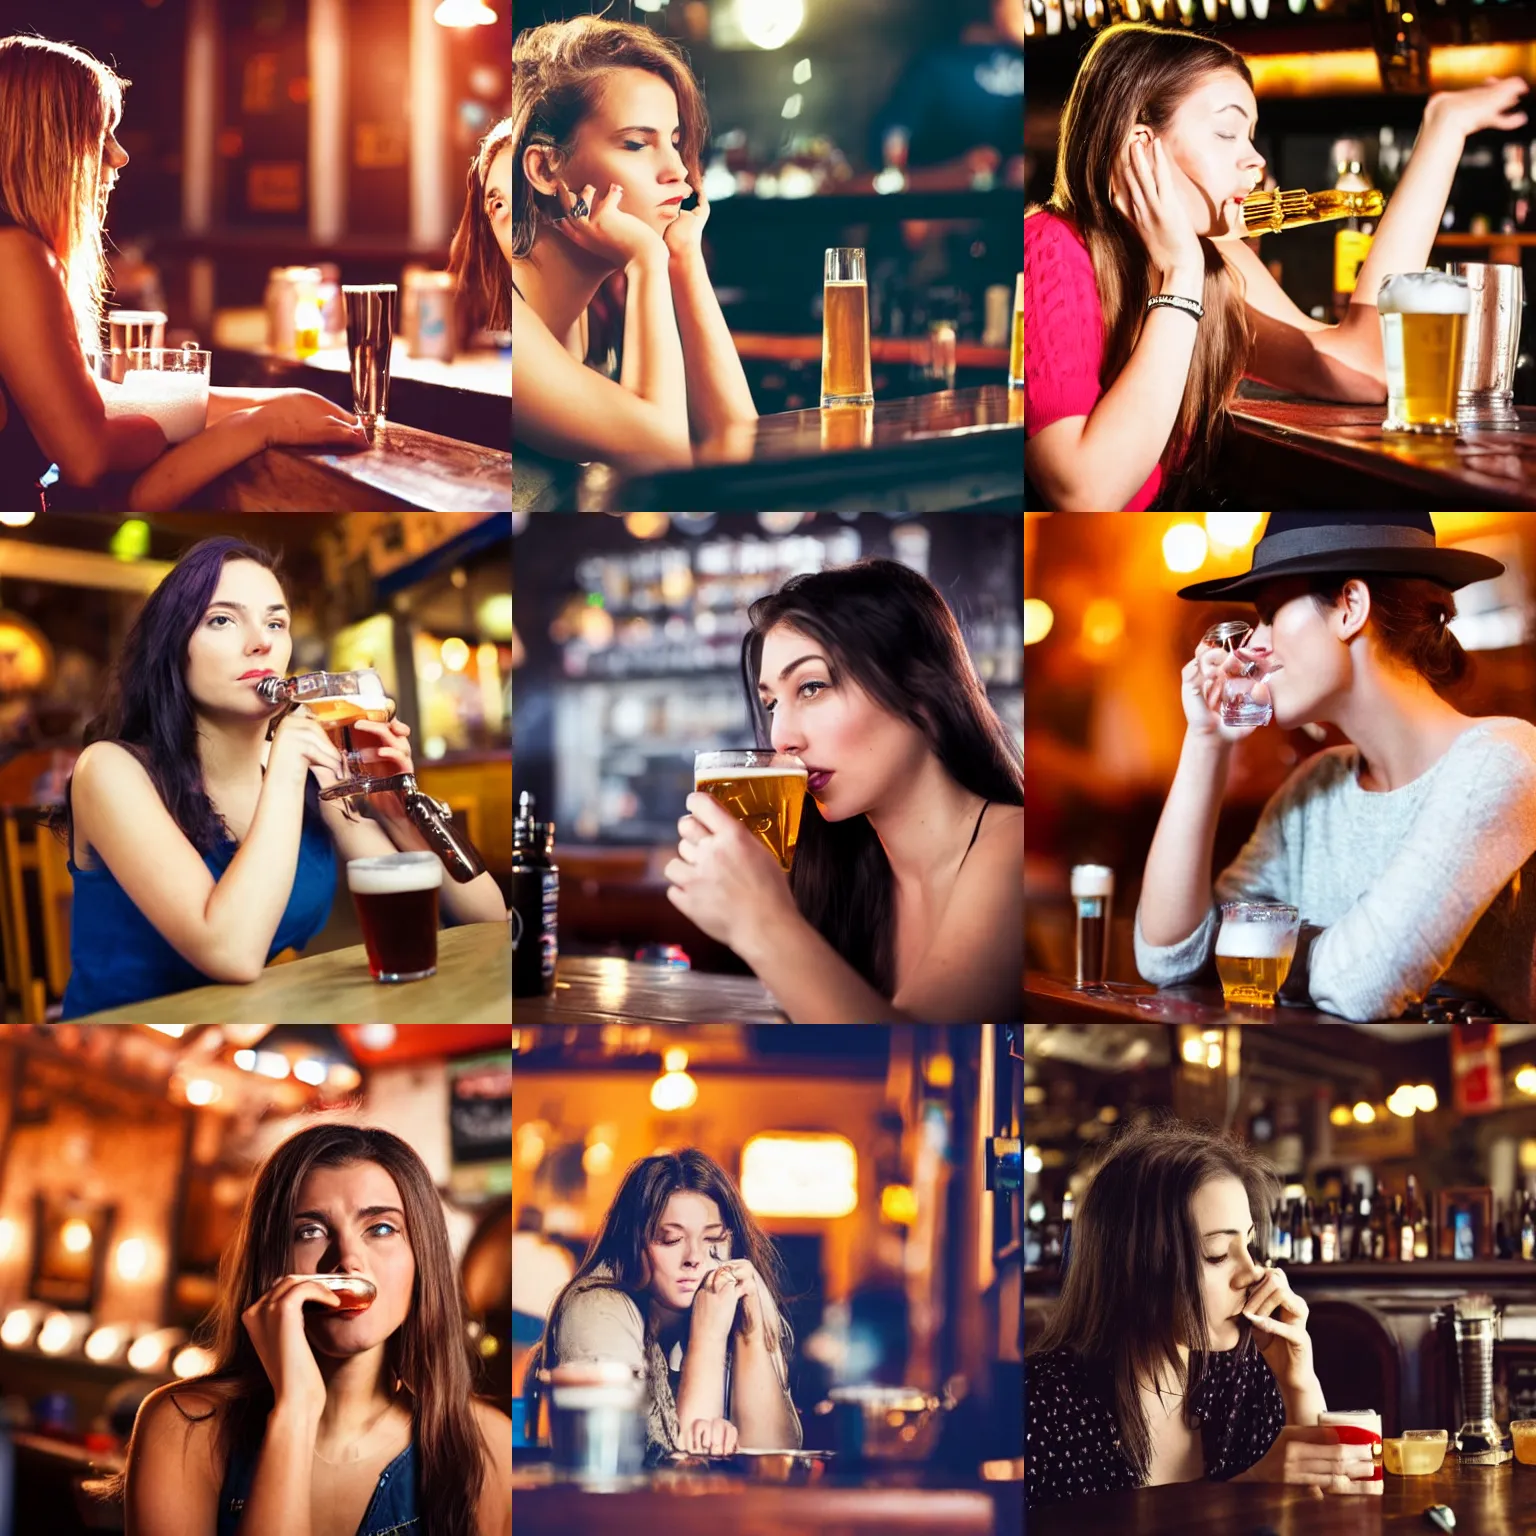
<point>1419,1220</point>
<point>1307,1246</point>
<point>1397,1250</point>
<point>1379,1221</point>
<point>1349,1225</point>
<point>1328,1235</point>
<point>1280,1235</point>
<point>1352,240</point>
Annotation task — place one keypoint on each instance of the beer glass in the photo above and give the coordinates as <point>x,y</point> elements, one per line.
<point>1243,671</point>
<point>1254,950</point>
<point>1421,1452</point>
<point>357,1294</point>
<point>1016,353</point>
<point>1358,1426</point>
<point>845,368</point>
<point>1523,1433</point>
<point>167,383</point>
<point>370,311</point>
<point>338,700</point>
<point>396,899</point>
<point>763,790</point>
<point>1423,329</point>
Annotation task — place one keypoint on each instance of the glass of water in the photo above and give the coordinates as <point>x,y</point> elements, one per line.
<point>1243,670</point>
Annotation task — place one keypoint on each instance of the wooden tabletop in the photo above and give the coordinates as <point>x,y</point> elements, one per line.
<point>1054,1000</point>
<point>1307,453</point>
<point>1488,1501</point>
<point>928,453</point>
<point>404,470</point>
<point>599,990</point>
<point>473,985</point>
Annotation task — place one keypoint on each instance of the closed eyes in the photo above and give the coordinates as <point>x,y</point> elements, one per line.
<point>810,683</point>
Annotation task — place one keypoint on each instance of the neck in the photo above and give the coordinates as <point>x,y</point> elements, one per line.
<point>924,824</point>
<point>1398,722</point>
<point>559,281</point>
<point>356,1395</point>
<point>232,750</point>
<point>670,1325</point>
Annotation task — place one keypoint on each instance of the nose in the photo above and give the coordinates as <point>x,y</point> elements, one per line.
<point>1249,1272</point>
<point>676,168</point>
<point>782,735</point>
<point>1254,161</point>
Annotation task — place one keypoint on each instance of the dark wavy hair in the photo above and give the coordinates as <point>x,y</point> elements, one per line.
<point>632,1222</point>
<point>148,710</point>
<point>430,1355</point>
<point>890,630</point>
<point>1131,1293</point>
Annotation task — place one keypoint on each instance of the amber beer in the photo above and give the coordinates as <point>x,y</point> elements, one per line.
<point>1254,950</point>
<point>337,715</point>
<point>1423,326</point>
<point>765,791</point>
<point>356,1293</point>
<point>1016,353</point>
<point>396,899</point>
<point>845,366</point>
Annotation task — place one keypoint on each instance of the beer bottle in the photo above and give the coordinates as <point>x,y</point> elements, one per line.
<point>1349,1225</point>
<point>1308,1253</point>
<point>1328,1235</point>
<point>1420,1220</point>
<point>1295,1226</point>
<point>1397,1248</point>
<point>535,903</point>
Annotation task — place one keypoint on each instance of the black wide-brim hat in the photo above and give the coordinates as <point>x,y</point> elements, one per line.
<point>1353,544</point>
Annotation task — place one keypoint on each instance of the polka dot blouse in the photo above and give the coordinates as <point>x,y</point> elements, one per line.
<point>1072,1445</point>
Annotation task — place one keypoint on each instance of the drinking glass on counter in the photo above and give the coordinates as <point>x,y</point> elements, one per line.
<point>170,385</point>
<point>1423,330</point>
<point>371,310</point>
<point>1421,1452</point>
<point>846,378</point>
<point>396,899</point>
<point>765,791</point>
<point>1254,950</point>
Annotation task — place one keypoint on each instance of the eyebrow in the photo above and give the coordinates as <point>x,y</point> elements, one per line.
<point>1233,106</point>
<point>763,687</point>
<point>363,1215</point>
<point>240,607</point>
<point>1230,1232</point>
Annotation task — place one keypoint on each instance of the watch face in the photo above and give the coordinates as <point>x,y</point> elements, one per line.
<point>355,1292</point>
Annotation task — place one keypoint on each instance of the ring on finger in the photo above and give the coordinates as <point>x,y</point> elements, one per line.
<point>579,209</point>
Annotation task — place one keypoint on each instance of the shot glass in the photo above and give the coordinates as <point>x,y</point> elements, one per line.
<point>357,1294</point>
<point>1244,670</point>
<point>1417,1452</point>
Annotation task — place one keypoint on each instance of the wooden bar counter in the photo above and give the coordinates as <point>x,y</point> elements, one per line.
<point>600,990</point>
<point>473,985</point>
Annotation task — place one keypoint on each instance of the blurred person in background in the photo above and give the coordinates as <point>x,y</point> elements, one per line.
<point>481,254</point>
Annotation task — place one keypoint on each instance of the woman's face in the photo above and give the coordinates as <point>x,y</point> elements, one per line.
<point>1209,147</point>
<point>1228,1272</point>
<point>836,728</point>
<point>1307,662</point>
<point>498,200</point>
<point>351,1221</point>
<point>631,138</point>
<point>113,158</point>
<point>690,1241</point>
<point>244,629</point>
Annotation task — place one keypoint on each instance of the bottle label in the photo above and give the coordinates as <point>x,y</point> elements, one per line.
<point>549,942</point>
<point>1350,248</point>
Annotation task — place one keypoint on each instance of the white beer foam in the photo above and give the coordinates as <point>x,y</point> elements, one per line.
<point>1424,293</point>
<point>1256,941</point>
<point>719,775</point>
<point>379,877</point>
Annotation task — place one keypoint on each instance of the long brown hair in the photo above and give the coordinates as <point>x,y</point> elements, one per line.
<point>558,73</point>
<point>429,1355</point>
<point>1131,1293</point>
<point>632,1222</point>
<point>474,257</point>
<point>890,630</point>
<point>56,105</point>
<point>1135,73</point>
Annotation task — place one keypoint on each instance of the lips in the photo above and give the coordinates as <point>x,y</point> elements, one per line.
<point>682,1283</point>
<point>261,672</point>
<point>816,779</point>
<point>674,202</point>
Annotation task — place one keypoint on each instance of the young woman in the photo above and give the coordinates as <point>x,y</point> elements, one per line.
<point>681,1284</point>
<point>1147,1372</point>
<point>199,849</point>
<point>905,901</point>
<point>59,160</point>
<point>1126,396</point>
<point>609,124</point>
<point>481,254</point>
<point>316,1421</point>
<point>1403,851</point>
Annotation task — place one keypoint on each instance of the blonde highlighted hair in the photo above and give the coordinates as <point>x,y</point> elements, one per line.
<point>558,73</point>
<point>1135,73</point>
<point>475,258</point>
<point>57,105</point>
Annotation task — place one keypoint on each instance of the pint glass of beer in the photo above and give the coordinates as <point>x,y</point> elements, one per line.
<point>396,899</point>
<point>1016,353</point>
<point>763,790</point>
<point>1423,328</point>
<point>845,369</point>
<point>1254,950</point>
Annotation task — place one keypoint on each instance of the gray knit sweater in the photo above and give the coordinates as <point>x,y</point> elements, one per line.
<point>1433,880</point>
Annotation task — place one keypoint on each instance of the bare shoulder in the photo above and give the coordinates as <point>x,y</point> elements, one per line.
<point>1003,825</point>
<point>495,1512</point>
<point>173,1472</point>
<point>23,253</point>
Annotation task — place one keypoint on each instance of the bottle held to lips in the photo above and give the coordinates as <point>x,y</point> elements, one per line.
<point>356,1293</point>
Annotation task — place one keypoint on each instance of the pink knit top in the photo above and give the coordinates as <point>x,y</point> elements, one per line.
<point>1064,333</point>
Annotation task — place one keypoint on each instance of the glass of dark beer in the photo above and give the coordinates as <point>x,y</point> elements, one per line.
<point>396,897</point>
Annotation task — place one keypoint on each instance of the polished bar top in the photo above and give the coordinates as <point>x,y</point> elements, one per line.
<point>484,373</point>
<point>1307,453</point>
<point>473,985</point>
<point>1054,1000</point>
<point>882,349</point>
<point>928,453</point>
<point>1488,1501</point>
<point>404,470</point>
<point>600,990</point>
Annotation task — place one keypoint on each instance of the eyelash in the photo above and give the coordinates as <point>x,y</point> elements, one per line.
<point>633,144</point>
<point>281,624</point>
<point>709,1242</point>
<point>299,1237</point>
<point>812,683</point>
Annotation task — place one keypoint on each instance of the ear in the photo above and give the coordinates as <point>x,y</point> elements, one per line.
<point>541,164</point>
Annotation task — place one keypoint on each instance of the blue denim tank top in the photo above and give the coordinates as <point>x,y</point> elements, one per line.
<point>391,1511</point>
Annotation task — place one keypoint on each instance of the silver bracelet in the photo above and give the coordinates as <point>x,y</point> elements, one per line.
<point>1191,307</point>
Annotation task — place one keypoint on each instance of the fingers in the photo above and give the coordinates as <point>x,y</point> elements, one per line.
<point>691,829</point>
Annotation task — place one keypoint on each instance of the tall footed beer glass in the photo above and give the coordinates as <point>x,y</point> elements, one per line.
<point>1423,327</point>
<point>845,366</point>
<point>765,791</point>
<point>370,311</point>
<point>396,899</point>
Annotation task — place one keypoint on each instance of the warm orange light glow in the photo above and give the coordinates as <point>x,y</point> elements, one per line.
<point>1185,547</point>
<point>1103,621</point>
<point>1354,71</point>
<point>799,1174</point>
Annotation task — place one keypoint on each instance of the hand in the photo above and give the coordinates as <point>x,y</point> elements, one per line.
<point>303,419</point>
<point>608,232</point>
<point>684,237</point>
<point>393,750</point>
<point>1279,1318</point>
<point>724,879</point>
<point>1312,1454</point>
<point>299,745</point>
<point>1145,189</point>
<point>715,1299</point>
<point>275,1323</point>
<point>1202,681</point>
<point>755,1302</point>
<point>1489,105</point>
<point>710,1437</point>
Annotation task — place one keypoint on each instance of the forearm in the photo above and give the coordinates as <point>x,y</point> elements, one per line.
<point>718,394</point>
<point>281,1490</point>
<point>764,1417</point>
<point>811,982</point>
<point>250,898</point>
<point>475,901</point>
<point>701,1392</point>
<point>1304,1401</point>
<point>189,466</point>
<point>653,352</point>
<point>1176,887</point>
<point>1129,429</point>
